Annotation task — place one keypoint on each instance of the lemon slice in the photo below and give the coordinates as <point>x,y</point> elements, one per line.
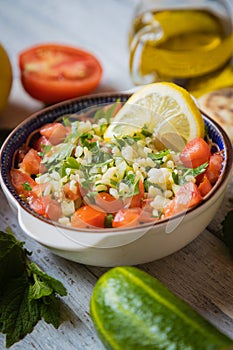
<point>129,120</point>
<point>165,109</point>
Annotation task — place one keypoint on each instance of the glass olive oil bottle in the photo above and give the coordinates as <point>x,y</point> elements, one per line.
<point>179,44</point>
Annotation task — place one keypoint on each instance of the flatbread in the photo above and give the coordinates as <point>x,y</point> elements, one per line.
<point>219,106</point>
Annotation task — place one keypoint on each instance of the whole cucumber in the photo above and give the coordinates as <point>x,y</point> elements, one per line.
<point>132,310</point>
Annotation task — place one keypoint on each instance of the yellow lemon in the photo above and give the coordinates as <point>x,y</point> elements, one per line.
<point>5,78</point>
<point>165,109</point>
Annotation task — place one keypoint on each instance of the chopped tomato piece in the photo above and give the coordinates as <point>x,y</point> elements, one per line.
<point>127,217</point>
<point>205,186</point>
<point>21,181</point>
<point>136,201</point>
<point>87,216</point>
<point>20,154</point>
<point>213,170</point>
<point>54,72</point>
<point>187,197</point>
<point>31,163</point>
<point>54,132</point>
<point>40,142</point>
<point>146,217</point>
<point>71,193</point>
<point>146,214</point>
<point>39,204</point>
<point>195,153</point>
<point>146,203</point>
<point>53,210</point>
<point>38,189</point>
<point>45,206</point>
<point>108,203</point>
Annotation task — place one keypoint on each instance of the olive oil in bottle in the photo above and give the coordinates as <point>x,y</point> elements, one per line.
<point>179,44</point>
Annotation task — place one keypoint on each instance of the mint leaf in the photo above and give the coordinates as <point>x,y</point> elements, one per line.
<point>39,289</point>
<point>50,310</point>
<point>12,259</point>
<point>51,282</point>
<point>227,231</point>
<point>27,294</point>
<point>17,316</point>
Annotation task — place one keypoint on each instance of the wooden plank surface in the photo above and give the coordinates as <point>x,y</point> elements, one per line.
<point>201,273</point>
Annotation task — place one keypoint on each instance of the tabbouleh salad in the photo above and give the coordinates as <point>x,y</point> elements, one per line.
<point>69,173</point>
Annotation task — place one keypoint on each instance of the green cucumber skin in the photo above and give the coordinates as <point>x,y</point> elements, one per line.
<point>132,310</point>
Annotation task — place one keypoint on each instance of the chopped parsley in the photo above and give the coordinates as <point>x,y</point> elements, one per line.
<point>107,113</point>
<point>158,157</point>
<point>26,186</point>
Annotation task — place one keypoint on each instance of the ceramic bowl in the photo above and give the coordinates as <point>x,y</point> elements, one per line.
<point>111,247</point>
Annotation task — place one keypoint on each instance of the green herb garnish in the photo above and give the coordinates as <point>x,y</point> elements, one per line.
<point>126,140</point>
<point>107,113</point>
<point>58,153</point>
<point>145,131</point>
<point>158,157</point>
<point>191,172</point>
<point>46,149</point>
<point>27,294</point>
<point>175,178</point>
<point>85,138</point>
<point>147,184</point>
<point>108,220</point>
<point>26,186</point>
<point>196,171</point>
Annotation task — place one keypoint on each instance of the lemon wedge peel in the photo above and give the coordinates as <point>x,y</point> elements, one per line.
<point>166,109</point>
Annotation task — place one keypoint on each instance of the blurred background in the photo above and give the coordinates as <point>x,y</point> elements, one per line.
<point>100,27</point>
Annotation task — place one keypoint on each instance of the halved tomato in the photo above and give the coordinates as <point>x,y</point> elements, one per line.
<point>53,72</point>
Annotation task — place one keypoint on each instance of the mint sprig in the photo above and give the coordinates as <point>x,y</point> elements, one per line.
<point>27,294</point>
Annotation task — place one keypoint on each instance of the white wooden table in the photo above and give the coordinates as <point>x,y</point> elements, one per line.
<point>201,273</point>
